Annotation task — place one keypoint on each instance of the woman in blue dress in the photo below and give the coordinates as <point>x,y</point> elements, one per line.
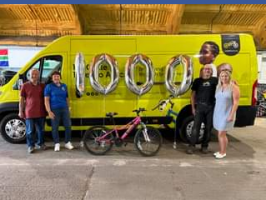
<point>227,99</point>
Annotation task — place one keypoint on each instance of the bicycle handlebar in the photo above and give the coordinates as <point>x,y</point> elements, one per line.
<point>162,103</point>
<point>139,110</point>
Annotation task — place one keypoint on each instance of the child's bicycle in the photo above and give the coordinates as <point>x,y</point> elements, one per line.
<point>98,140</point>
<point>186,128</point>
<point>170,112</point>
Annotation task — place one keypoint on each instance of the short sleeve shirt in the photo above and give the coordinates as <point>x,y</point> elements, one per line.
<point>205,90</point>
<point>58,95</point>
<point>34,100</point>
<point>214,70</point>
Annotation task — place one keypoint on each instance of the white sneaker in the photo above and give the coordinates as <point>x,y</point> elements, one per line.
<point>57,147</point>
<point>69,146</point>
<point>216,153</point>
<point>219,156</point>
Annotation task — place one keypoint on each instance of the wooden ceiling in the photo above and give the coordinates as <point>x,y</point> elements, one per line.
<point>39,24</point>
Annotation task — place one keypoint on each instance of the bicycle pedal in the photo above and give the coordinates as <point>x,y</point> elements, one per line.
<point>118,142</point>
<point>125,144</point>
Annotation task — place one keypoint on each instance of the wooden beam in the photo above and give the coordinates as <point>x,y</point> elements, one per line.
<point>260,34</point>
<point>126,32</point>
<point>134,7</point>
<point>26,40</point>
<point>138,27</point>
<point>174,22</point>
<point>35,5</point>
<point>33,25</point>
<point>79,22</point>
<point>205,28</point>
<point>201,8</point>
<point>227,8</point>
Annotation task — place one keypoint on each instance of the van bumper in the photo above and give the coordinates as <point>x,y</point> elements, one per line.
<point>245,116</point>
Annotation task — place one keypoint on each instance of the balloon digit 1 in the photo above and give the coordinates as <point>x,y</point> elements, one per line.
<point>80,74</point>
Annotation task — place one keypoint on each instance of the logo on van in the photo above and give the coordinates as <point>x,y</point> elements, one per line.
<point>230,44</point>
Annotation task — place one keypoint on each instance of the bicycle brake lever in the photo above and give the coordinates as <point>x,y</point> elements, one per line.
<point>142,109</point>
<point>163,105</point>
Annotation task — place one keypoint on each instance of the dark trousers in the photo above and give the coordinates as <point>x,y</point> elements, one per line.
<point>204,113</point>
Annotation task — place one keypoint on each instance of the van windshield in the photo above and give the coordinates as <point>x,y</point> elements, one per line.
<point>6,76</point>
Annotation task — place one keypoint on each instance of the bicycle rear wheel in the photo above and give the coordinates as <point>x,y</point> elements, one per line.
<point>97,146</point>
<point>148,141</point>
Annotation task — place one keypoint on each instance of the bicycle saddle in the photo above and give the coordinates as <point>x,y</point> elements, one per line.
<point>111,114</point>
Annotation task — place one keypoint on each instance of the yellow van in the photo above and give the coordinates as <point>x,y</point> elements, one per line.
<point>89,109</point>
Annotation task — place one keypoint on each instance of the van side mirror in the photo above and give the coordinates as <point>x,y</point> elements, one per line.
<point>19,82</point>
<point>15,86</point>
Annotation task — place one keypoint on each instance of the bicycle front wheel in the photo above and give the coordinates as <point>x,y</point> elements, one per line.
<point>94,141</point>
<point>148,141</point>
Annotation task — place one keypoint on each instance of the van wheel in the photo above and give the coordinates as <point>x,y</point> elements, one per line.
<point>13,129</point>
<point>186,130</point>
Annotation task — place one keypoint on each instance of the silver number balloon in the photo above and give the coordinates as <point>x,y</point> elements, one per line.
<point>94,73</point>
<point>129,74</point>
<point>186,62</point>
<point>80,74</point>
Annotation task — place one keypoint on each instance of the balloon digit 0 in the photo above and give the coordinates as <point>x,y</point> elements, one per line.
<point>129,74</point>
<point>94,73</point>
<point>186,62</point>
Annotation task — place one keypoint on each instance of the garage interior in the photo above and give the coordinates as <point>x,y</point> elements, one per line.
<point>38,24</point>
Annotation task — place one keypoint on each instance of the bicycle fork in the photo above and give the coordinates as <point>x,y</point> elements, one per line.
<point>145,133</point>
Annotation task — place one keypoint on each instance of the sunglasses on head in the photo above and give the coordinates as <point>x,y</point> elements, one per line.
<point>226,70</point>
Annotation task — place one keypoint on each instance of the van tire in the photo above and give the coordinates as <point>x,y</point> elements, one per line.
<point>13,129</point>
<point>186,129</point>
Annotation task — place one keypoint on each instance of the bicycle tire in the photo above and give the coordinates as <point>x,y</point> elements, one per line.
<point>97,147</point>
<point>142,145</point>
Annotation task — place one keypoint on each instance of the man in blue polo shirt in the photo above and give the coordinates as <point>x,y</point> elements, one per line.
<point>57,106</point>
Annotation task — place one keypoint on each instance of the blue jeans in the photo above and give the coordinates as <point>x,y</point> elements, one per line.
<point>39,125</point>
<point>61,114</point>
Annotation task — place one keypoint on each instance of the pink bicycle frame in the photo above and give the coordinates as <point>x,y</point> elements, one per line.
<point>128,127</point>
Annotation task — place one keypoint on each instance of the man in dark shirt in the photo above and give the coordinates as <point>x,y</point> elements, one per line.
<point>202,102</point>
<point>31,108</point>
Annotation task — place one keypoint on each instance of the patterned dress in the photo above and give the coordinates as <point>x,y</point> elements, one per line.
<point>222,109</point>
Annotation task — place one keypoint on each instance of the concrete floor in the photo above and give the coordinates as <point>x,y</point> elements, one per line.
<point>124,175</point>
